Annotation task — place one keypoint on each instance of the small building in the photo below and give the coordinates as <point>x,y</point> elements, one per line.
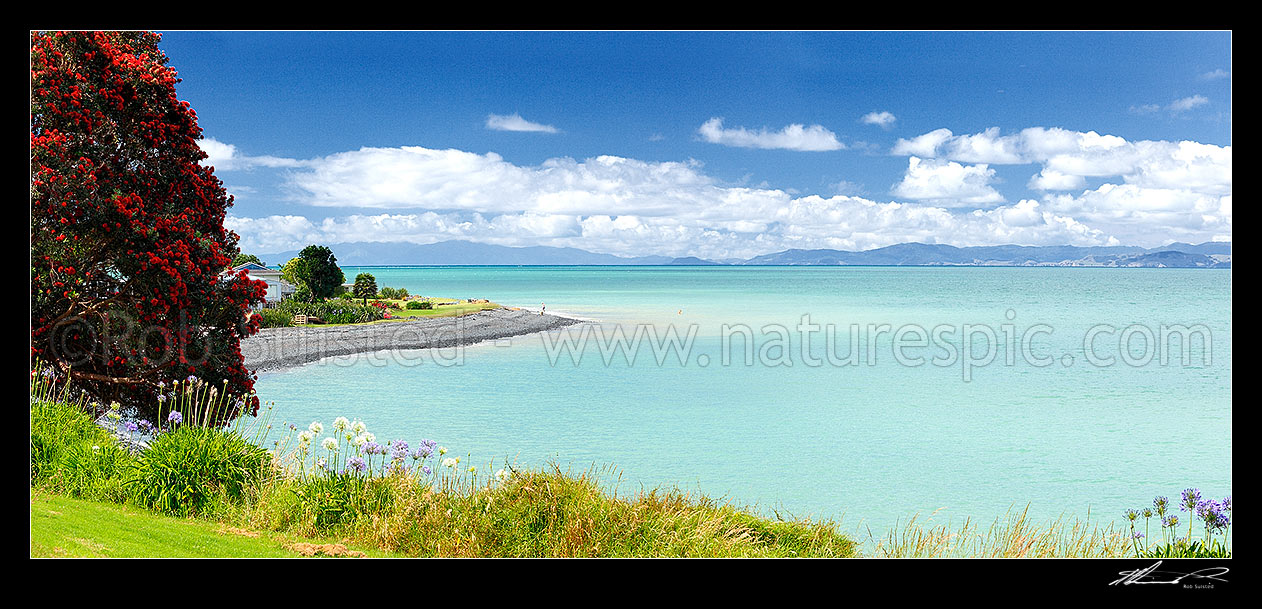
<point>277,288</point>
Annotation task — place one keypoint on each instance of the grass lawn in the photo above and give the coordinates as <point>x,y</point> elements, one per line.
<point>462,307</point>
<point>65,527</point>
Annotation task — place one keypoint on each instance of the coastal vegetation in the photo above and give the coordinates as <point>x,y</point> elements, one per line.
<point>127,237</point>
<point>340,482</point>
<point>314,483</point>
<point>315,274</point>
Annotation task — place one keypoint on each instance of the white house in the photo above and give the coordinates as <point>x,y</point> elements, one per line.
<point>277,288</point>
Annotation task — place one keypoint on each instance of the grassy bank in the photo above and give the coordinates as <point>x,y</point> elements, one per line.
<point>88,493</point>
<point>203,491</point>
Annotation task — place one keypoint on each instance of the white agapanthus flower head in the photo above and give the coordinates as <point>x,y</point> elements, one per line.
<point>449,462</point>
<point>340,424</point>
<point>330,444</point>
<point>316,427</point>
<point>370,437</point>
<point>501,475</point>
<point>358,427</point>
<point>360,440</point>
<point>305,438</point>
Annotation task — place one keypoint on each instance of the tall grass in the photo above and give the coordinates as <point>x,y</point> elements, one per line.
<point>1013,535</point>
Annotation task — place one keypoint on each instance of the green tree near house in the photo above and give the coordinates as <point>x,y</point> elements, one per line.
<point>365,286</point>
<point>241,259</point>
<point>315,273</point>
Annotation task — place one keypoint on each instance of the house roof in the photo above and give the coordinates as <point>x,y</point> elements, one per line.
<point>254,267</point>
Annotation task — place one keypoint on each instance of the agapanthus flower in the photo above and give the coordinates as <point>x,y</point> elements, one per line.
<point>1131,515</point>
<point>1170,521</point>
<point>145,424</point>
<point>373,448</point>
<point>131,427</point>
<point>426,469</point>
<point>1191,497</point>
<point>356,463</point>
<point>1161,504</point>
<point>322,463</point>
<point>305,438</point>
<point>1211,513</point>
<point>358,427</point>
<point>359,440</point>
<point>449,462</point>
<point>501,475</point>
<point>329,444</point>
<point>175,417</point>
<point>340,424</point>
<point>315,427</point>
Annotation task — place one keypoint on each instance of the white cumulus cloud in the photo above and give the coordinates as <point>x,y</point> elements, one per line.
<point>948,183</point>
<point>882,119</point>
<point>793,137</point>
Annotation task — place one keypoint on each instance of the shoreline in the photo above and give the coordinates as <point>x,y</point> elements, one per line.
<point>274,349</point>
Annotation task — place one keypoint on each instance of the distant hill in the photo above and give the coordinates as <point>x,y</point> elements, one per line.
<point>1209,255</point>
<point>465,252</point>
<point>1181,255</point>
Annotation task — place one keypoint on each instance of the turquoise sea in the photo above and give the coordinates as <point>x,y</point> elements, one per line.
<point>1054,420</point>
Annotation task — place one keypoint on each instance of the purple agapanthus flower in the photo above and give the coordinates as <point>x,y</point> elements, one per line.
<point>145,424</point>
<point>1161,504</point>
<point>373,448</point>
<point>356,463</point>
<point>398,450</point>
<point>1191,498</point>
<point>131,427</point>
<point>1170,521</point>
<point>426,469</point>
<point>1213,515</point>
<point>175,417</point>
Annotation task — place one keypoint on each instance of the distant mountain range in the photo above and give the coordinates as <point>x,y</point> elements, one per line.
<point>1175,255</point>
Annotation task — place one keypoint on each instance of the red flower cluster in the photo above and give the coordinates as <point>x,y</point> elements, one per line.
<point>127,236</point>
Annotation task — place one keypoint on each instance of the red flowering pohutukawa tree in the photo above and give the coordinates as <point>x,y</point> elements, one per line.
<point>128,244</point>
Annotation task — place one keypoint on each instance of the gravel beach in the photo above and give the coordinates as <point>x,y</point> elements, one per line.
<point>274,348</point>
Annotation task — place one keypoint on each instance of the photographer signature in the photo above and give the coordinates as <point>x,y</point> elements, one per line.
<point>1150,575</point>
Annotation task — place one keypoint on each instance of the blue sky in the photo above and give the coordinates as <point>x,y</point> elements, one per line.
<point>716,144</point>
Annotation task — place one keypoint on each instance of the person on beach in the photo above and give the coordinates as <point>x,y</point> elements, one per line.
<point>542,308</point>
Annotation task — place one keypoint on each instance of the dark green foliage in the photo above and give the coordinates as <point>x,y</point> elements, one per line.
<point>316,269</point>
<point>187,470</point>
<point>365,286</point>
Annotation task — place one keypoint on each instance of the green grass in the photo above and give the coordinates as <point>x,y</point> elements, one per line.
<point>462,307</point>
<point>66,527</point>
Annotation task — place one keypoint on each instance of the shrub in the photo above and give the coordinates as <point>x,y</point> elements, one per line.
<point>333,312</point>
<point>189,469</point>
<point>420,304</point>
<point>389,293</point>
<point>274,318</point>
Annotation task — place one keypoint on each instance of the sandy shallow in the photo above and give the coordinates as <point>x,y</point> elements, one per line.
<point>275,348</point>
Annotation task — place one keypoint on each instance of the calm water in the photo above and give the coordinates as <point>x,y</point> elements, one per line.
<point>871,440</point>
